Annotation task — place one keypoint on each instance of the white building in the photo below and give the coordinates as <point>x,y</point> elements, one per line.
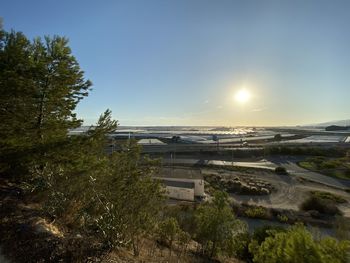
<point>150,141</point>
<point>182,183</point>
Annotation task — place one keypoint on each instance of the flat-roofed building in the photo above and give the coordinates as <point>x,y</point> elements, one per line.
<point>182,183</point>
<point>179,190</point>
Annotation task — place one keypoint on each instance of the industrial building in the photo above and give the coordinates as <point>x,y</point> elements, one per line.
<point>182,183</point>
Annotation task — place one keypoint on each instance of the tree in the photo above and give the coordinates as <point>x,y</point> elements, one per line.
<point>81,158</point>
<point>124,200</point>
<point>216,226</point>
<point>113,196</point>
<point>184,239</point>
<point>281,170</point>
<point>297,245</point>
<point>40,85</point>
<point>168,230</point>
<point>277,137</point>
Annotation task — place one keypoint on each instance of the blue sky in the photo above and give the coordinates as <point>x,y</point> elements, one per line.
<point>181,62</point>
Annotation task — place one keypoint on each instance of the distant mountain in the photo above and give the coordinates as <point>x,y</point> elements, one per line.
<point>337,123</point>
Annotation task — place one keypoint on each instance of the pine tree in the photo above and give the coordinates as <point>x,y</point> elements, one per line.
<point>41,84</point>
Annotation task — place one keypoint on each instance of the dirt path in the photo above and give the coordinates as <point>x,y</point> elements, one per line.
<point>290,191</point>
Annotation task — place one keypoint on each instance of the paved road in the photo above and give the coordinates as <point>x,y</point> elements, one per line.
<point>263,164</point>
<point>271,163</point>
<point>290,164</point>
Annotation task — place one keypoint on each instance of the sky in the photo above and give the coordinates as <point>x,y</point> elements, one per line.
<point>183,62</point>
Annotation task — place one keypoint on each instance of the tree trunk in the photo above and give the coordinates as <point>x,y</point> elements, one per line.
<point>170,246</point>
<point>213,249</point>
<point>41,108</point>
<point>135,246</point>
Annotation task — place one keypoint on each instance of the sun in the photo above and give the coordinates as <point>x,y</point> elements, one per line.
<point>242,96</point>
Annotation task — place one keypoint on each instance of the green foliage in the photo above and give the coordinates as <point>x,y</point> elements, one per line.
<point>184,214</point>
<point>216,226</point>
<point>256,212</point>
<point>261,233</point>
<point>329,196</point>
<point>168,230</point>
<point>241,246</point>
<point>125,201</point>
<point>282,218</point>
<point>334,251</point>
<point>324,206</point>
<point>335,167</point>
<point>297,245</point>
<point>41,84</point>
<point>183,239</point>
<point>113,197</point>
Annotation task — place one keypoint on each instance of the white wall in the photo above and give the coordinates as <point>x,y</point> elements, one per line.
<point>180,193</point>
<point>198,184</point>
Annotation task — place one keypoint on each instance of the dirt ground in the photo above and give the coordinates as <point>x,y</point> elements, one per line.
<point>290,191</point>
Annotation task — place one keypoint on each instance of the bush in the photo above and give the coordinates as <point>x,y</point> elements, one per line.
<point>281,170</point>
<point>323,206</point>
<point>297,244</point>
<point>282,218</point>
<point>329,196</point>
<point>261,233</point>
<point>277,137</point>
<point>256,212</point>
<point>241,245</point>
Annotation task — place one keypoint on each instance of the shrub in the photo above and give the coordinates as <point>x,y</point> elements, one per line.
<point>256,212</point>
<point>261,233</point>
<point>329,196</point>
<point>282,218</point>
<point>323,206</point>
<point>277,137</point>
<point>281,170</point>
<point>298,245</point>
<point>241,245</point>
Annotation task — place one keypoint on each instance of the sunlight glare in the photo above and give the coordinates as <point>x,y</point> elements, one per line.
<point>242,96</point>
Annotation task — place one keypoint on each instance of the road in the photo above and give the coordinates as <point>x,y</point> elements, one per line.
<point>290,163</point>
<point>271,163</point>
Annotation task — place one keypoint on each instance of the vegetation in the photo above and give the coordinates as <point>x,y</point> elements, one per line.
<point>281,170</point>
<point>329,196</point>
<point>168,229</point>
<point>113,198</point>
<point>282,218</point>
<point>321,205</point>
<point>256,212</point>
<point>277,137</point>
<point>216,227</point>
<point>335,167</point>
<point>296,244</point>
<point>305,151</point>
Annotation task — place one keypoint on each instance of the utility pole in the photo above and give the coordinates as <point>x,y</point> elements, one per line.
<point>232,155</point>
